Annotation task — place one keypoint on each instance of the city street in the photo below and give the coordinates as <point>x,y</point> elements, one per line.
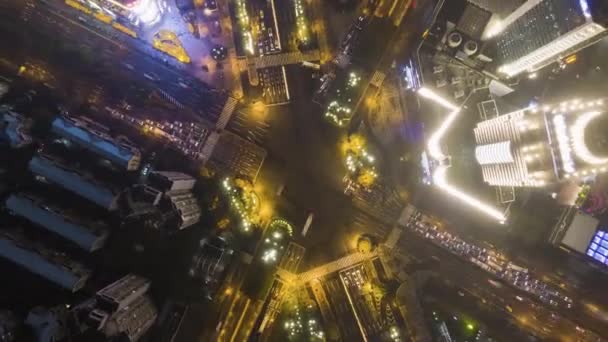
<point>477,283</point>
<point>147,74</point>
<point>297,166</point>
<point>311,172</point>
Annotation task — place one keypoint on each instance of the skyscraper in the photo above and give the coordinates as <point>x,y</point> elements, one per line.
<point>541,32</point>
<point>535,146</point>
<point>122,309</point>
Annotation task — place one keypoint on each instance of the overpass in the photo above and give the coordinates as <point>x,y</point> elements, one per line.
<point>295,280</point>
<point>279,59</point>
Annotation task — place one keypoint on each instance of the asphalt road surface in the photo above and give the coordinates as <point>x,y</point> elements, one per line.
<point>477,283</point>
<point>112,61</point>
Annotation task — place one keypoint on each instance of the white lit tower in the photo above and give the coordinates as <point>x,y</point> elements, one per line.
<point>541,145</point>
<point>541,32</point>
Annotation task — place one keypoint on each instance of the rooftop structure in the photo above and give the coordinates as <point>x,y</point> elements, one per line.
<point>541,32</point>
<point>75,181</point>
<point>13,129</point>
<point>122,292</point>
<point>134,320</point>
<point>92,136</point>
<point>47,324</point>
<point>210,262</point>
<point>55,266</point>
<point>122,309</point>
<point>185,205</point>
<point>87,235</point>
<point>501,8</point>
<point>473,21</point>
<point>535,146</point>
<point>172,181</point>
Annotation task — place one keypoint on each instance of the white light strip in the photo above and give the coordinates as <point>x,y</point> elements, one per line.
<point>440,179</point>
<point>431,95</point>
<point>563,143</point>
<point>434,141</point>
<point>434,147</point>
<point>578,139</point>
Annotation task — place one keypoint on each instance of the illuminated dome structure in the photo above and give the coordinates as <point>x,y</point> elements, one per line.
<point>596,138</point>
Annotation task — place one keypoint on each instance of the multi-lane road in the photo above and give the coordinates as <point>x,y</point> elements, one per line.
<point>527,313</point>
<point>113,64</point>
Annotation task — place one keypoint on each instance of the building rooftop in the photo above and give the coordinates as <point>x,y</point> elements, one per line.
<point>171,181</point>
<point>87,235</point>
<point>13,129</point>
<point>51,264</point>
<point>473,21</point>
<point>123,291</point>
<point>75,181</point>
<point>92,136</point>
<point>186,206</point>
<point>502,8</point>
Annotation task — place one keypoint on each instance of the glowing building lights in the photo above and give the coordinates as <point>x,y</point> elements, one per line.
<point>550,32</point>
<point>497,153</point>
<point>434,147</point>
<point>147,11</point>
<point>578,139</point>
<point>440,179</point>
<point>562,141</point>
<point>431,95</point>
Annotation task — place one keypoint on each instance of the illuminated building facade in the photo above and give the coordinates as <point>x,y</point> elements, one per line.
<point>136,12</point>
<point>536,146</point>
<point>541,32</point>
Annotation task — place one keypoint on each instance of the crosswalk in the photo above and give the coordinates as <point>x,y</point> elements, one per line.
<point>226,114</point>
<point>171,99</point>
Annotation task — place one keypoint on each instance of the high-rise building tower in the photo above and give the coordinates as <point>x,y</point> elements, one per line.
<point>541,32</point>
<point>121,309</point>
<point>540,145</point>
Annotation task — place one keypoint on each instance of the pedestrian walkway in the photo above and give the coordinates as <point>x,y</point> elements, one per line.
<point>282,59</point>
<point>326,269</point>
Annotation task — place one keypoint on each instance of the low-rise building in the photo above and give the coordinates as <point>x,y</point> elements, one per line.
<point>171,181</point>
<point>185,207</point>
<point>121,309</point>
<point>52,265</point>
<point>95,138</point>
<point>89,236</point>
<point>14,129</point>
<point>75,181</point>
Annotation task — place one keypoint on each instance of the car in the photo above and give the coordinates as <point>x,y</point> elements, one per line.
<point>151,76</point>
